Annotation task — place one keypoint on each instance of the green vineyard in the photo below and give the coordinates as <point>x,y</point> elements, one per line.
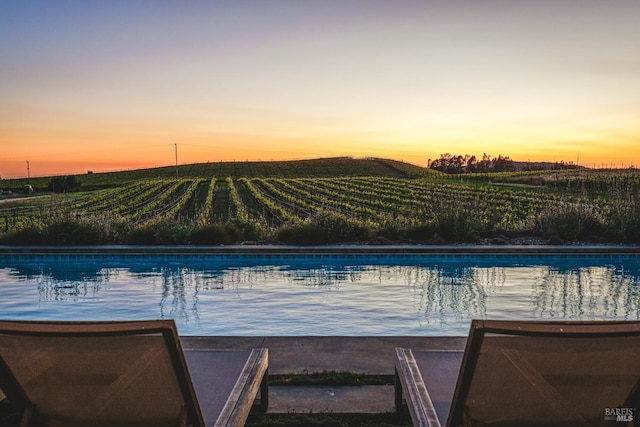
<point>338,205</point>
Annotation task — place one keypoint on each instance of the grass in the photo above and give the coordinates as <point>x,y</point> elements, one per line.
<point>330,378</point>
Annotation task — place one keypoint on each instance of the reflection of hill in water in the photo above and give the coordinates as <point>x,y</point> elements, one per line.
<point>67,291</point>
<point>61,271</point>
<point>589,293</point>
<point>444,289</point>
<point>174,302</point>
<point>442,297</point>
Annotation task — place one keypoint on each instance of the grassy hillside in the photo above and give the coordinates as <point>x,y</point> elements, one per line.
<point>315,168</point>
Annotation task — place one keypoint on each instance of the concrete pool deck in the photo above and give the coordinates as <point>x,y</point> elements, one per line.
<point>308,354</point>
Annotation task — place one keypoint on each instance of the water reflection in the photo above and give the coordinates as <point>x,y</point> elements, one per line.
<point>442,295</point>
<point>413,294</point>
<point>66,291</point>
<point>60,283</point>
<point>173,300</point>
<point>587,293</point>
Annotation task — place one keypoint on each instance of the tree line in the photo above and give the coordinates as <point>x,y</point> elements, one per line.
<point>456,164</point>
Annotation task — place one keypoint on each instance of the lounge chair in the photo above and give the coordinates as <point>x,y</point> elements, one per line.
<point>125,374</point>
<point>526,374</point>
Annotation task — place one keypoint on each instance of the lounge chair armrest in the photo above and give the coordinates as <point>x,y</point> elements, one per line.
<point>409,383</point>
<point>251,380</point>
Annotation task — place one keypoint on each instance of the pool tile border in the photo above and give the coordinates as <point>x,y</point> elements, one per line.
<point>340,249</point>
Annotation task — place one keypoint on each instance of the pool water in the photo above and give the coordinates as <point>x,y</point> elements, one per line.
<point>350,295</point>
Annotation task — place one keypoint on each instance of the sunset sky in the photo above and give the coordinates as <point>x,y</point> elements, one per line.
<point>111,85</point>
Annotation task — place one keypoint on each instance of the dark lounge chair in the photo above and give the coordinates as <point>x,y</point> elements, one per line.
<point>516,373</point>
<point>124,374</point>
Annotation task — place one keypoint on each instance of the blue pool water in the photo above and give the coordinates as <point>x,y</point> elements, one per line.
<point>351,295</point>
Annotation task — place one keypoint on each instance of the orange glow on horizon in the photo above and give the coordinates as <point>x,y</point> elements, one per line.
<point>115,151</point>
<point>100,158</point>
<point>408,81</point>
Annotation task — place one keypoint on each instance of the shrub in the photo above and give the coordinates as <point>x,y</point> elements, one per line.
<point>25,236</point>
<point>141,236</point>
<point>406,232</point>
<point>249,229</point>
<point>73,231</point>
<point>456,224</point>
<point>570,222</point>
<point>624,221</point>
<point>420,232</point>
<point>305,233</point>
<point>115,229</point>
<point>324,228</point>
<point>170,233</point>
<point>69,231</point>
<point>159,233</point>
<point>216,234</point>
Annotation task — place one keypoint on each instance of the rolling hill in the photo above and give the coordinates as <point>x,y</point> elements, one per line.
<point>315,168</point>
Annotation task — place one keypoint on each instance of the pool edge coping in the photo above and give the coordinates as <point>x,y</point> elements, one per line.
<point>335,249</point>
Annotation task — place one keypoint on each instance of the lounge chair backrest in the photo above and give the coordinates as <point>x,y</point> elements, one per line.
<point>548,373</point>
<point>97,374</point>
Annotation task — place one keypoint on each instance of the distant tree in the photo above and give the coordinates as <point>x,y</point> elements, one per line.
<point>66,184</point>
<point>72,183</point>
<point>472,163</point>
<point>502,164</point>
<point>563,165</point>
<point>450,164</point>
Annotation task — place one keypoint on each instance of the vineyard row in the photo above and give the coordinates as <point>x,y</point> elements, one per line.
<point>274,202</point>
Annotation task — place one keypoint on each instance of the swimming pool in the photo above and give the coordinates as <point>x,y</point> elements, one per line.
<point>319,294</point>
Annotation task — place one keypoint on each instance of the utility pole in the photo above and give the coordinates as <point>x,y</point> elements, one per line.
<point>176,147</point>
<point>28,171</point>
